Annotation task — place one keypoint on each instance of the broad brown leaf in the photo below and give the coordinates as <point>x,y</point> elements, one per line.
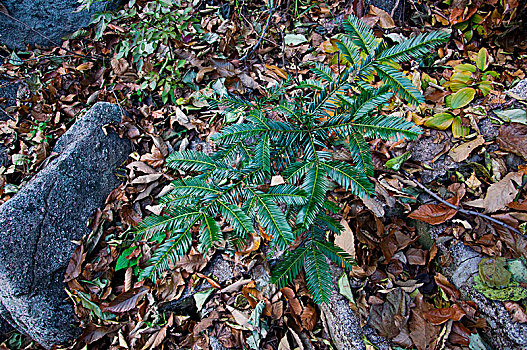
<point>513,138</point>
<point>440,316</point>
<point>309,317</point>
<point>74,267</point>
<point>126,301</point>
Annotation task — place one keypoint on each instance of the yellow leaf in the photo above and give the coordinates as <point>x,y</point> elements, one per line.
<point>84,66</point>
<point>482,59</point>
<point>462,98</point>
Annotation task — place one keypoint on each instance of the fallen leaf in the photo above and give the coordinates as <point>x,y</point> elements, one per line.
<point>240,317</point>
<point>309,317</point>
<point>492,271</point>
<point>502,192</point>
<point>463,151</point>
<point>346,239</point>
<point>447,287</point>
<point>294,39</point>
<point>516,311</point>
<point>74,266</point>
<point>385,20</point>
<point>513,138</point>
<point>126,301</point>
<point>442,315</point>
<point>84,66</point>
<point>435,214</point>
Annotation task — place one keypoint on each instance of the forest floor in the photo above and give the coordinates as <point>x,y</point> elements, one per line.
<point>472,157</point>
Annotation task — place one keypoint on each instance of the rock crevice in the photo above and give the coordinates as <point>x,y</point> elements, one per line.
<point>38,225</point>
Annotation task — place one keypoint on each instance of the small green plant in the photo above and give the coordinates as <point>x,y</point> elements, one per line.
<point>290,132</point>
<point>154,32</point>
<point>467,81</point>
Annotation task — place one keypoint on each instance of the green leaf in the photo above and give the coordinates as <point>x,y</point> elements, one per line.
<point>237,219</point>
<point>414,47</point>
<point>289,267</point>
<point>482,59</point>
<point>466,67</point>
<point>440,121</point>
<point>170,251</point>
<point>350,178</point>
<point>458,130</point>
<point>123,262</point>
<point>271,217</point>
<point>400,84</point>
<point>513,291</point>
<point>462,98</point>
<point>395,163</point>
<point>318,276</point>
<point>345,288</point>
<point>315,185</point>
<point>210,232</point>
<point>361,34</point>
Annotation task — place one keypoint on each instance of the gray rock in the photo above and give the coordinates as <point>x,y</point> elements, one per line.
<point>36,20</point>
<point>501,331</point>
<point>38,224</point>
<point>8,91</point>
<point>425,151</point>
<point>519,91</point>
<point>395,8</point>
<point>344,325</point>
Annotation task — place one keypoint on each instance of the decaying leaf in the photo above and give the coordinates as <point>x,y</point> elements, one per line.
<point>346,239</point>
<point>74,267</point>
<point>513,138</point>
<point>126,301</point>
<point>463,151</point>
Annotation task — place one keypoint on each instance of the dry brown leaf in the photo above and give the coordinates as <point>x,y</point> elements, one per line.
<point>516,311</point>
<point>119,66</point>
<point>74,267</point>
<point>502,192</point>
<point>346,239</point>
<point>385,20</point>
<point>513,138</point>
<point>155,340</point>
<point>434,214</point>
<point>440,316</point>
<point>84,66</point>
<point>309,317</point>
<point>463,151</point>
<point>292,300</point>
<point>126,301</point>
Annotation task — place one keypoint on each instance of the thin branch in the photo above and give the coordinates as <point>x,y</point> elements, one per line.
<point>264,31</point>
<point>459,209</point>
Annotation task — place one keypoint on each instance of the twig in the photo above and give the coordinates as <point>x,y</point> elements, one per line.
<point>270,11</point>
<point>459,209</point>
<point>49,39</point>
<point>39,58</point>
<point>439,87</point>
